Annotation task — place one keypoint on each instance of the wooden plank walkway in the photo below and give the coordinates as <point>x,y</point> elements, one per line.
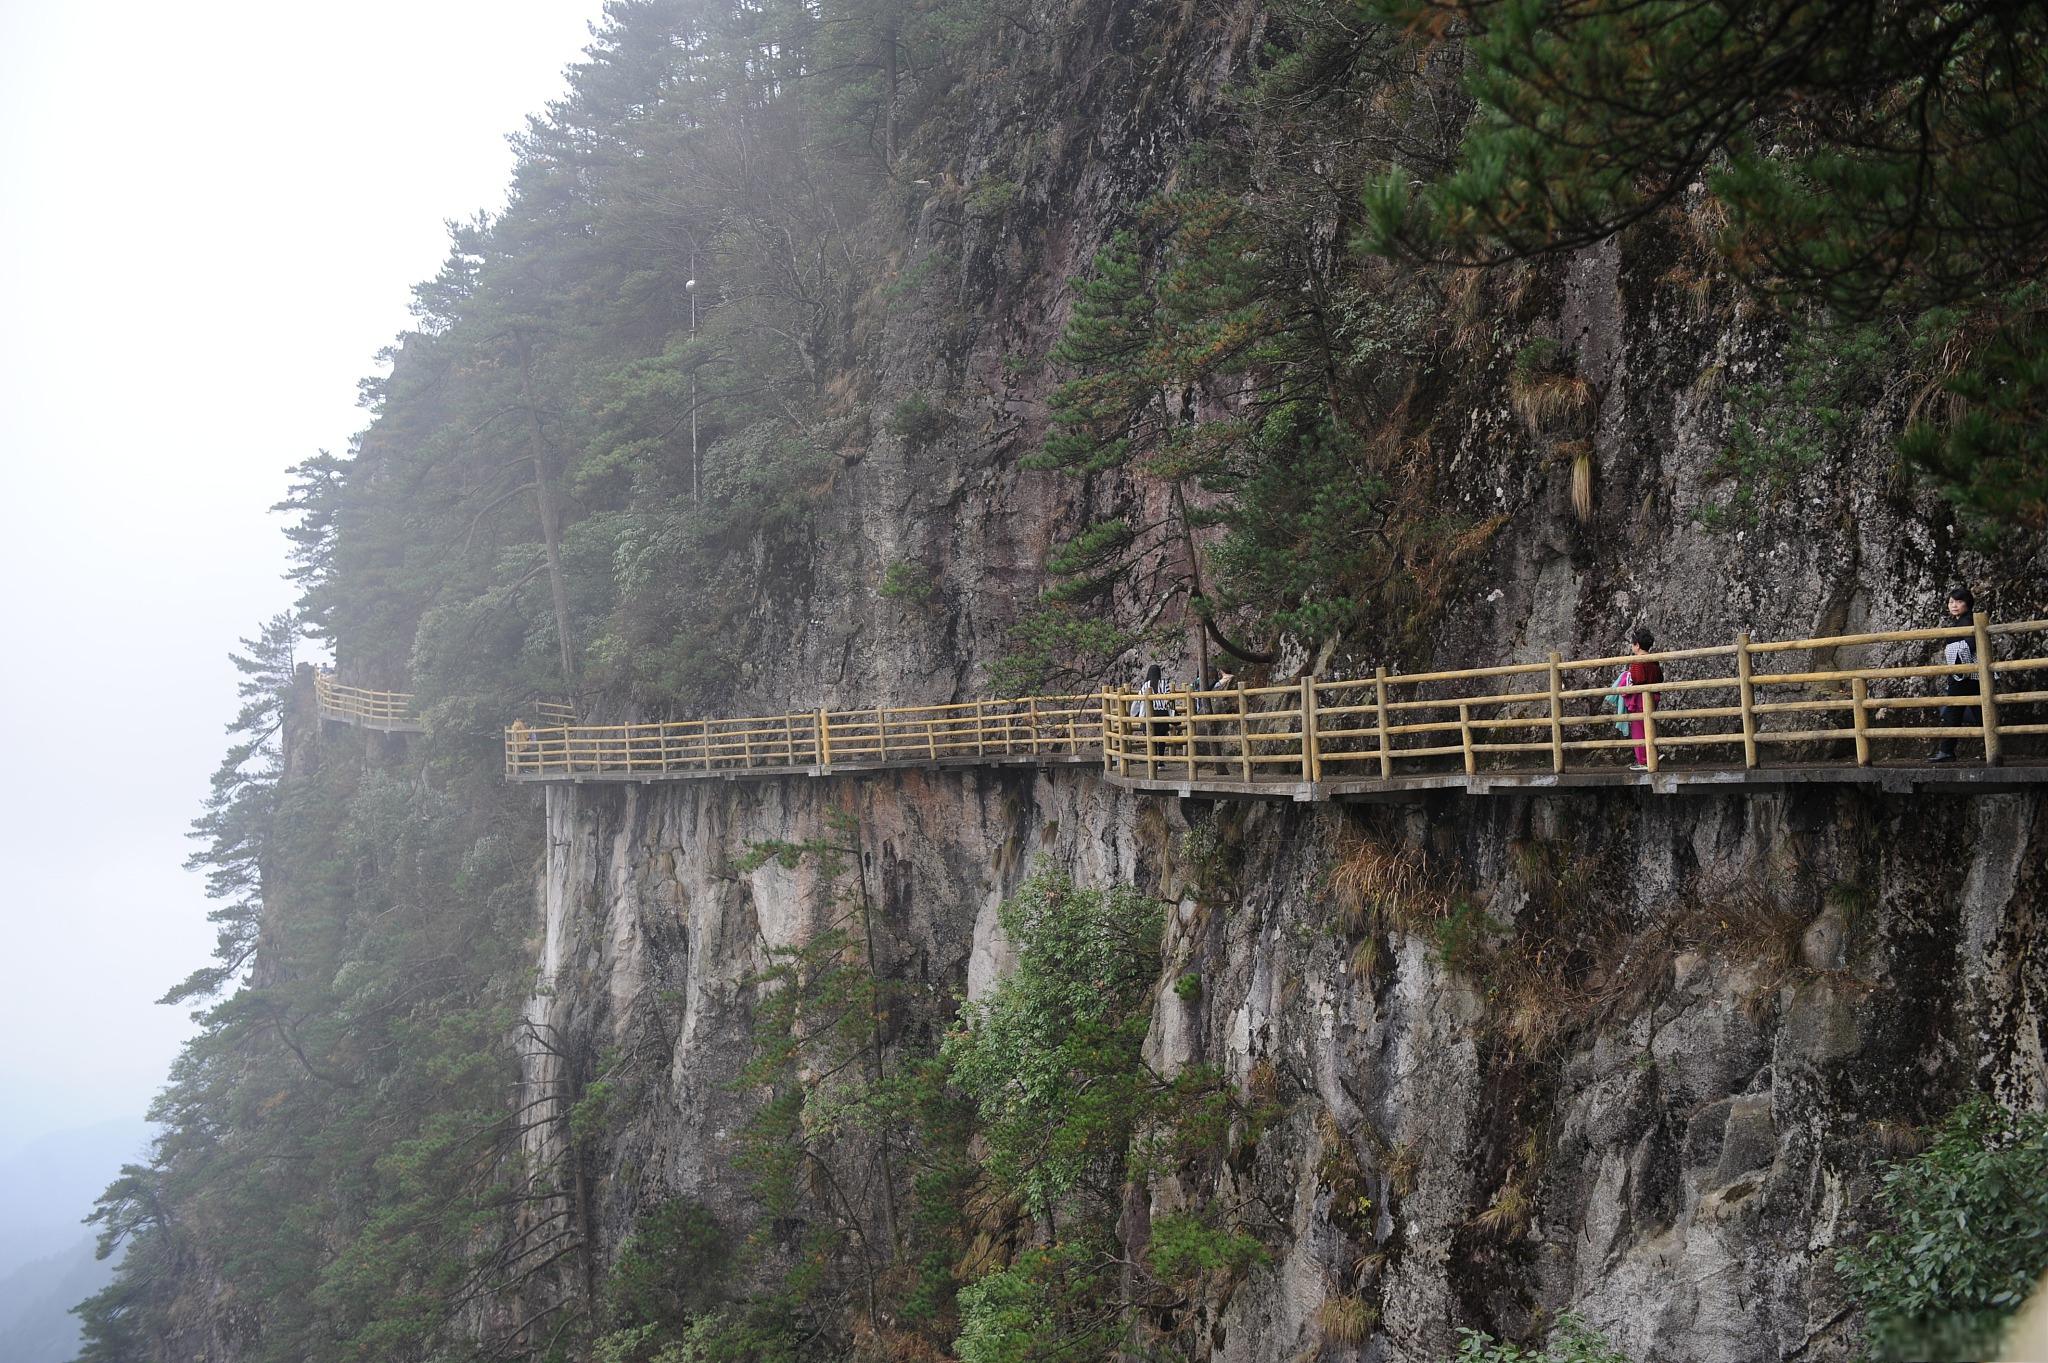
<point>1516,726</point>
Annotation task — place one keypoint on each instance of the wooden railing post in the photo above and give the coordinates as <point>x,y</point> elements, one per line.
<point>1556,712</point>
<point>1987,698</point>
<point>1379,681</point>
<point>1859,697</point>
<point>1649,714</point>
<point>980,748</point>
<point>1112,736</point>
<point>824,739</point>
<point>1465,736</point>
<point>881,736</point>
<point>1746,687</point>
<point>1244,734</point>
<point>1033,711</point>
<point>1311,760</point>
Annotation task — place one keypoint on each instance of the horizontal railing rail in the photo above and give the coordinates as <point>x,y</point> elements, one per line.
<point>1737,702</point>
<point>359,705</point>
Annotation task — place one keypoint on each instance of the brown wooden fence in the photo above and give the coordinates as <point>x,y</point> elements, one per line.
<point>1842,700</point>
<point>390,711</point>
<point>969,731</point>
<point>1730,703</point>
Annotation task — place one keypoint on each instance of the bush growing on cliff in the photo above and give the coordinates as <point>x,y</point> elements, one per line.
<point>1070,1115</point>
<point>1570,1341</point>
<point>1966,1235</point>
<point>1050,1058</point>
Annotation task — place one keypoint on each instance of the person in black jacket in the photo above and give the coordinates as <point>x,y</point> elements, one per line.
<point>1957,653</point>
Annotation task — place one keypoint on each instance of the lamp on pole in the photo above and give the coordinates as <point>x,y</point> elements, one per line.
<point>696,473</point>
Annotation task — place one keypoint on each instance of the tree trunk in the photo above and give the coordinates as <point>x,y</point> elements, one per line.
<point>550,516</point>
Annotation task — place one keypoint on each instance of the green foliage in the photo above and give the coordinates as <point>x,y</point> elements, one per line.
<point>919,422</point>
<point>1855,176</point>
<point>911,583</point>
<point>1050,1057</point>
<point>1782,428</point>
<point>1965,1236</point>
<point>1188,987</point>
<point>1539,356</point>
<point>672,1268</point>
<point>1186,1247</point>
<point>991,197</point>
<point>1462,936</point>
<point>1066,1113</point>
<point>1057,645</point>
<point>1229,359</point>
<point>1053,1304</point>
<point>1570,1341</point>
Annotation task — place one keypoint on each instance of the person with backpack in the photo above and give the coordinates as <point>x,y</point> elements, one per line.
<point>1957,653</point>
<point>1641,672</point>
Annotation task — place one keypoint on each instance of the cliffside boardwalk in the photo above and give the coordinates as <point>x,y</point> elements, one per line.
<point>385,711</point>
<point>1729,714</point>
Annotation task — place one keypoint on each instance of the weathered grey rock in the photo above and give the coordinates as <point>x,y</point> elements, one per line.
<point>1700,1147</point>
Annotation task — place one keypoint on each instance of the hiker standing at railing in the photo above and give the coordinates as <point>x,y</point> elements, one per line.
<point>1642,672</point>
<point>1957,653</point>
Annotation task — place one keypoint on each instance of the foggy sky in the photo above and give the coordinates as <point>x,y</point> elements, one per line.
<point>210,217</point>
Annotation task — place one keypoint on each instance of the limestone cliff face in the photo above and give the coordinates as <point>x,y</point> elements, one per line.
<point>1691,1101</point>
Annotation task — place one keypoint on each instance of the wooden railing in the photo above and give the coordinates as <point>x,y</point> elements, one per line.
<point>388,710</point>
<point>984,730</point>
<point>1536,716</point>
<point>1731,705</point>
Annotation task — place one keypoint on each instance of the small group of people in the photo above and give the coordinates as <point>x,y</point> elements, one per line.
<point>1957,653</point>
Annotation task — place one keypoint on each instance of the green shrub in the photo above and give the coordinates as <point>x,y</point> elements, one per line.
<point>1571,1341</point>
<point>918,421</point>
<point>910,583</point>
<point>670,1268</point>
<point>1051,1059</point>
<point>1967,1235</point>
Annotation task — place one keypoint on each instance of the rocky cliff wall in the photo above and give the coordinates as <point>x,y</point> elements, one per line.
<point>1632,1055</point>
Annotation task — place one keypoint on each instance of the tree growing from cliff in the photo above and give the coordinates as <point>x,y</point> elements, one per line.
<point>1963,1239</point>
<point>1068,1112</point>
<point>1875,162</point>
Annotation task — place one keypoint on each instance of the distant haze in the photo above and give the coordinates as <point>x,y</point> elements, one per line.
<point>210,218</point>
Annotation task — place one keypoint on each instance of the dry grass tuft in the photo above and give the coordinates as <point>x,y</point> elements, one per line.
<point>1404,1168</point>
<point>1582,486</point>
<point>1896,1139</point>
<point>1509,1215</point>
<point>1365,959</point>
<point>1346,1320</point>
<point>1374,883</point>
<point>1546,401</point>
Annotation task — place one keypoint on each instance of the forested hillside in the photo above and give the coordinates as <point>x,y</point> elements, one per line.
<point>901,350</point>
